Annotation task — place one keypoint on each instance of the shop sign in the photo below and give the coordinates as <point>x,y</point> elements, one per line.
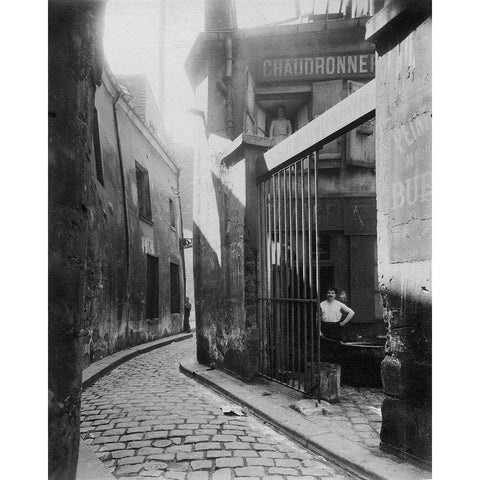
<point>324,67</point>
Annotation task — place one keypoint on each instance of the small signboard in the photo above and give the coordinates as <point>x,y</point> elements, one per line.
<point>323,67</point>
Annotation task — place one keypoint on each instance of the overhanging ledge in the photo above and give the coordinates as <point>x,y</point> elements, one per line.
<point>342,117</point>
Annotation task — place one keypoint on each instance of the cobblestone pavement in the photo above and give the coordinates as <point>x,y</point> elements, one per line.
<point>358,416</point>
<point>145,419</point>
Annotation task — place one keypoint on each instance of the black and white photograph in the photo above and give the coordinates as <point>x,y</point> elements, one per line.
<point>238,242</point>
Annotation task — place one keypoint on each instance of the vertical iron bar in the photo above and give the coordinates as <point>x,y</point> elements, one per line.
<point>304,279</point>
<point>310,280</point>
<point>297,277</point>
<point>269,273</point>
<point>317,264</point>
<point>280,275</point>
<point>291,331</point>
<point>275,276</point>
<point>285,275</point>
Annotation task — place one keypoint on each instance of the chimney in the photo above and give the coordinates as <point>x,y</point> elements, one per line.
<point>220,15</point>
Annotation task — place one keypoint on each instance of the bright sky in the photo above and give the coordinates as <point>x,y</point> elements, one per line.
<point>131,43</point>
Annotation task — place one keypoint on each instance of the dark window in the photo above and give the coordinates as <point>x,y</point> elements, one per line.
<point>97,150</point>
<point>174,288</point>
<point>172,213</point>
<point>152,287</point>
<point>143,189</point>
<point>323,247</point>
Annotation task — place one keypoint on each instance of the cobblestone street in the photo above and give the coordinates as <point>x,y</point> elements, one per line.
<point>146,419</point>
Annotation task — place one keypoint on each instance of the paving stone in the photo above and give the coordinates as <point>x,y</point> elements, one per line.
<point>237,446</point>
<point>175,475</point>
<point>190,456</point>
<point>154,465</point>
<point>260,461</point>
<point>140,429</point>
<point>197,476</point>
<point>179,448</point>
<point>224,438</point>
<point>122,453</point>
<point>201,464</point>
<point>302,477</point>
<point>101,440</point>
<point>130,460</point>
<point>156,435</point>
<point>110,447</point>
<point>150,451</point>
<point>286,462</point>
<point>197,438</point>
<point>245,453</point>
<point>113,432</point>
<point>222,474</point>
<point>281,471</point>
<point>127,469</point>
<point>166,457</point>
<point>249,471</point>
<point>131,437</point>
<point>219,453</point>
<point>162,443</point>
<point>268,454</point>
<point>140,444</point>
<point>229,462</point>
<point>207,446</point>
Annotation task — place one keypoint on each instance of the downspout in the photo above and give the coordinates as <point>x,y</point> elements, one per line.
<point>125,212</point>
<point>181,243</point>
<point>228,81</point>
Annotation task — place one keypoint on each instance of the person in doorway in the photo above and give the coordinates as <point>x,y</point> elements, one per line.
<point>332,311</point>
<point>186,315</point>
<point>280,128</point>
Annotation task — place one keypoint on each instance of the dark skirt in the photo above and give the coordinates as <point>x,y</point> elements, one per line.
<point>332,330</point>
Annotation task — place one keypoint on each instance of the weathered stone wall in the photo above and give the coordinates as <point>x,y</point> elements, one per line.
<point>116,286</point>
<point>75,64</point>
<point>403,151</point>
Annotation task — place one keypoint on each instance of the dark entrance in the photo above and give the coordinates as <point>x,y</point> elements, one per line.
<point>294,265</point>
<point>174,288</point>
<point>152,287</point>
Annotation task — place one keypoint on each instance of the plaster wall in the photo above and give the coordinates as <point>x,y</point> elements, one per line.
<point>403,151</point>
<point>115,294</point>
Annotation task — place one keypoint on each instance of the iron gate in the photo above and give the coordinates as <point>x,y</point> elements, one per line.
<point>290,276</point>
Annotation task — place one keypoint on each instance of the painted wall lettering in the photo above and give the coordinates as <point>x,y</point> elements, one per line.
<point>327,66</point>
<point>148,246</point>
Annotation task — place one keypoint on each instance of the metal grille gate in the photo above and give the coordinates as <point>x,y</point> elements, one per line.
<point>290,276</point>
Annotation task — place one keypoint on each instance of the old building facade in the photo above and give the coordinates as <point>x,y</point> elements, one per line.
<point>276,224</point>
<point>241,77</point>
<point>134,289</point>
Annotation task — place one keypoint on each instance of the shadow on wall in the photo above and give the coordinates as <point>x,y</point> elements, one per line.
<point>225,280</point>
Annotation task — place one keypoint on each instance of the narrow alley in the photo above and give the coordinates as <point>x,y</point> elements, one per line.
<point>146,419</point>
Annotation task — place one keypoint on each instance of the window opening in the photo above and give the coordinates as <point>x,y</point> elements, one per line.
<point>152,300</point>
<point>172,213</point>
<point>174,288</point>
<point>143,190</point>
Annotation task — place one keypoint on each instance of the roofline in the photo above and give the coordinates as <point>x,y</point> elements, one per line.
<point>197,52</point>
<point>143,127</point>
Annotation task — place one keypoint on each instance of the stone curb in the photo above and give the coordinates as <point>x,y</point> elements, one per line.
<point>96,370</point>
<point>348,455</point>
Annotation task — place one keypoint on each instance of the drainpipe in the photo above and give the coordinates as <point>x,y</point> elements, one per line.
<point>125,211</point>
<point>228,81</point>
<point>180,243</point>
